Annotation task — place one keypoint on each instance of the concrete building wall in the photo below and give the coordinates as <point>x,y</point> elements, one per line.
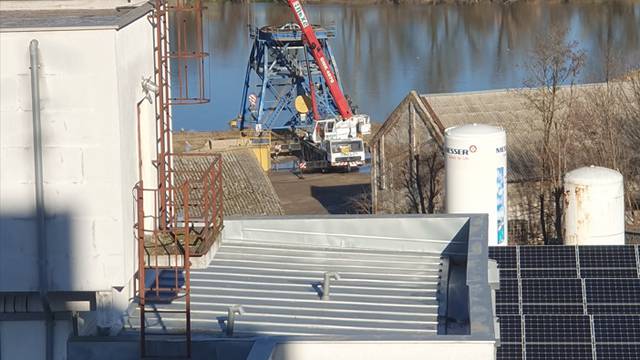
<point>90,87</point>
<point>91,95</point>
<point>80,155</point>
<point>134,61</point>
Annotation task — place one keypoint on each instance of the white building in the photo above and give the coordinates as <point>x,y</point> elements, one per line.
<point>92,59</point>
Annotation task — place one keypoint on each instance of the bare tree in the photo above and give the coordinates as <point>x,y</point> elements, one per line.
<point>554,63</point>
<point>608,126</point>
<point>361,203</point>
<point>631,96</point>
<point>422,179</point>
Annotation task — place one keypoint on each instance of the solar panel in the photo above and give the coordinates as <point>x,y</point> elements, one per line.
<point>504,255</point>
<point>553,301</point>
<point>559,351</point>
<point>618,351</point>
<point>617,328</point>
<point>509,352</point>
<point>552,309</point>
<point>508,291</point>
<point>507,309</point>
<point>607,256</point>
<point>557,328</point>
<point>613,291</point>
<point>549,273</point>
<point>511,329</point>
<point>508,274</point>
<point>599,309</point>
<point>544,257</point>
<point>609,273</point>
<point>555,291</point>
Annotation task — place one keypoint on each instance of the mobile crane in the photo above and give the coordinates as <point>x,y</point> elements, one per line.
<point>337,141</point>
<point>299,97</point>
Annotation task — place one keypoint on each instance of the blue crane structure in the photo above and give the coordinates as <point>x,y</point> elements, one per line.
<point>281,69</point>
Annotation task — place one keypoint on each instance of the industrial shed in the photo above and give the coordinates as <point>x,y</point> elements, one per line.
<point>406,153</point>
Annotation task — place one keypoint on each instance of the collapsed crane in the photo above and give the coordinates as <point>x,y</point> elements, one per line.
<point>302,92</point>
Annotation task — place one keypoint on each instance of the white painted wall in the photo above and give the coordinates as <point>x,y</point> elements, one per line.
<point>371,350</point>
<point>134,61</point>
<point>90,88</point>
<point>80,151</point>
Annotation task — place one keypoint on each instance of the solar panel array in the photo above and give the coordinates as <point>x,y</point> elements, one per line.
<point>568,302</point>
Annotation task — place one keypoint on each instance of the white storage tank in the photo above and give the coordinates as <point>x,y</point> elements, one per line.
<point>594,213</point>
<point>476,175</point>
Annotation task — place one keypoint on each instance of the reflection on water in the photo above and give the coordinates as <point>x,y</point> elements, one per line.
<point>384,51</point>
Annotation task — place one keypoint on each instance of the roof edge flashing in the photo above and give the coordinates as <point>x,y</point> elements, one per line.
<point>417,233</point>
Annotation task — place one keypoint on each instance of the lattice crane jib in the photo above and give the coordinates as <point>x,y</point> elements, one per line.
<point>279,70</point>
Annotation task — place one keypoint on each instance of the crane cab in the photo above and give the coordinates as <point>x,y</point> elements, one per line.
<point>345,153</point>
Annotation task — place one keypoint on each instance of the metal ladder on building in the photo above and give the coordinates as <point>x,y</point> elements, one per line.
<point>164,271</point>
<point>164,238</point>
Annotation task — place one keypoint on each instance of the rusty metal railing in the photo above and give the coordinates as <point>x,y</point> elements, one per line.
<point>187,53</point>
<point>151,237</point>
<point>194,220</point>
<point>212,206</point>
<point>204,173</point>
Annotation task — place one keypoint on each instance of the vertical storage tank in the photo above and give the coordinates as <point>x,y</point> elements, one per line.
<point>594,213</point>
<point>476,175</point>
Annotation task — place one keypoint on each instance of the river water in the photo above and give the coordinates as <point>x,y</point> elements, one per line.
<point>385,51</point>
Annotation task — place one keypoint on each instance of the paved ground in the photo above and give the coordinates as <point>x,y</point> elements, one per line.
<point>317,193</point>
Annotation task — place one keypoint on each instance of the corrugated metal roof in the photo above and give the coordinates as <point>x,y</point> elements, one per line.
<point>379,292</point>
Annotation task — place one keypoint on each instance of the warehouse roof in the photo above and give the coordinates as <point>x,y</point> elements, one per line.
<point>508,109</point>
<point>400,277</point>
<point>505,108</point>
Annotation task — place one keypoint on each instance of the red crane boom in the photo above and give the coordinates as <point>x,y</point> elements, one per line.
<point>316,51</point>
